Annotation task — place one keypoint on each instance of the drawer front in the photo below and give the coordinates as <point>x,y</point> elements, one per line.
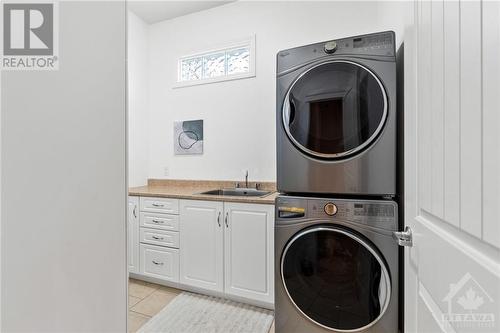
<point>160,205</point>
<point>160,262</point>
<point>160,221</point>
<point>160,237</point>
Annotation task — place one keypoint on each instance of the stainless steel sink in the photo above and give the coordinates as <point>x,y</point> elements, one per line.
<point>238,192</point>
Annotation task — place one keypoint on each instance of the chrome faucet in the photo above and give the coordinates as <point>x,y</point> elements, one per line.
<point>246,179</point>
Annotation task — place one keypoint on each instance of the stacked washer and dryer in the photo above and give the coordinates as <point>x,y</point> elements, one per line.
<point>336,261</point>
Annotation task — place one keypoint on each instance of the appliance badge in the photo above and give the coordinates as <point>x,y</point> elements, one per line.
<point>330,209</point>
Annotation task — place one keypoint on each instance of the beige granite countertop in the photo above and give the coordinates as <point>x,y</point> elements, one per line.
<point>190,189</point>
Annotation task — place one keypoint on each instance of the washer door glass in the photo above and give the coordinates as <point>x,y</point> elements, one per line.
<point>335,109</point>
<point>335,278</point>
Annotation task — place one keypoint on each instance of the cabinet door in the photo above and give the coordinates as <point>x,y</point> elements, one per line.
<point>201,244</point>
<point>160,262</point>
<point>133,235</point>
<point>249,251</point>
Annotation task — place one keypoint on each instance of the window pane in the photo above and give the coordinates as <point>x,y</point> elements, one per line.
<point>213,65</point>
<point>191,69</point>
<point>238,61</point>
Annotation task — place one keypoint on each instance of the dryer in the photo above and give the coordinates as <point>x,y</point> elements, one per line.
<point>336,265</point>
<point>336,117</point>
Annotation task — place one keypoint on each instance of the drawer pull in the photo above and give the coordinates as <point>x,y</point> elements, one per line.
<point>157,238</point>
<point>157,205</point>
<point>158,221</point>
<point>157,263</point>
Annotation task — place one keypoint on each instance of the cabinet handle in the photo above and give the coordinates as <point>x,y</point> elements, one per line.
<point>227,216</point>
<point>218,219</point>
<point>157,263</point>
<point>157,205</point>
<point>157,238</point>
<point>135,211</point>
<point>158,221</point>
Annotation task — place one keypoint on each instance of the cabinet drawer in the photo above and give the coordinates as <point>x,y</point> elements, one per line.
<point>160,237</point>
<point>160,221</point>
<point>160,205</point>
<point>160,262</point>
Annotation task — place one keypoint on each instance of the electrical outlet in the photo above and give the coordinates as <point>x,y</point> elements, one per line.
<point>166,171</point>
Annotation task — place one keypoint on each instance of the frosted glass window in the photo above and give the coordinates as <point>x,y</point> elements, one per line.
<point>191,69</point>
<point>232,62</point>
<point>214,65</point>
<point>238,61</point>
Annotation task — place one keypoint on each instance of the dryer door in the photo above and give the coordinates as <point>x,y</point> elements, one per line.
<point>336,278</point>
<point>335,109</point>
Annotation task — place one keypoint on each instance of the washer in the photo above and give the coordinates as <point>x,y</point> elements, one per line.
<point>336,265</point>
<point>336,117</point>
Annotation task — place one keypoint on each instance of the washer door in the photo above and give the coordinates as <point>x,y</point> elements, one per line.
<point>335,278</point>
<point>335,109</point>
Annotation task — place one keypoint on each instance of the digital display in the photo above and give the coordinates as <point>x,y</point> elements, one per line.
<point>373,210</point>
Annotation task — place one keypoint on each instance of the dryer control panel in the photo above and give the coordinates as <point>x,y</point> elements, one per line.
<point>375,213</point>
<point>379,45</point>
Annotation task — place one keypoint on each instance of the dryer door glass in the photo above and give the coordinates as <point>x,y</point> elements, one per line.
<point>335,278</point>
<point>335,109</point>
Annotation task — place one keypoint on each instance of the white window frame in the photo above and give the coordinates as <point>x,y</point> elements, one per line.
<point>248,42</point>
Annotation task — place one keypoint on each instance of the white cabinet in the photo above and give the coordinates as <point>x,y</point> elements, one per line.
<point>249,251</point>
<point>222,247</point>
<point>160,221</point>
<point>201,244</point>
<point>160,237</point>
<point>160,205</point>
<point>228,248</point>
<point>160,262</point>
<point>133,234</point>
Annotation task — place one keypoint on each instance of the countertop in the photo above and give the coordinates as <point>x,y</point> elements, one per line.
<point>191,189</point>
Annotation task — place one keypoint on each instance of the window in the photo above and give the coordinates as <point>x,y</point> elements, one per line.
<point>235,61</point>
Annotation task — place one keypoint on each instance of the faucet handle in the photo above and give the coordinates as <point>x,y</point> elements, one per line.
<point>237,185</point>
<point>257,186</point>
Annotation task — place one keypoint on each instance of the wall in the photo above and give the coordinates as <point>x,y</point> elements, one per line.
<point>239,116</point>
<point>64,182</point>
<point>138,120</point>
<point>396,16</point>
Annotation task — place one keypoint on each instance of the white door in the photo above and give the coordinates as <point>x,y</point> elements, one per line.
<point>133,235</point>
<point>249,251</point>
<point>201,244</point>
<point>452,166</point>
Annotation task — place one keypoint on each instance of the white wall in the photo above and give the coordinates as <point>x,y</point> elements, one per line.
<point>138,83</point>
<point>64,182</point>
<point>396,16</point>
<point>239,116</point>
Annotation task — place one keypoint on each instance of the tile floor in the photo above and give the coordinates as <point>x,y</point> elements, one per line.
<point>147,299</point>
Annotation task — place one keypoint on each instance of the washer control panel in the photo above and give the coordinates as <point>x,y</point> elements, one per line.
<point>330,209</point>
<point>376,213</point>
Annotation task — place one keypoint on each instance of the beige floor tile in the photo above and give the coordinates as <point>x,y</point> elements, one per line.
<point>139,290</point>
<point>135,321</point>
<point>170,290</point>
<point>133,301</point>
<point>152,304</point>
<point>271,330</point>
